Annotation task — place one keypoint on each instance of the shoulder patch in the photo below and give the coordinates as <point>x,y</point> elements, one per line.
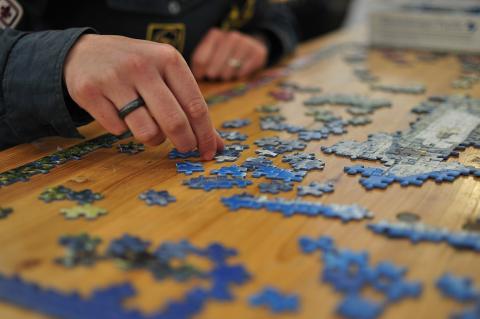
<point>11,12</point>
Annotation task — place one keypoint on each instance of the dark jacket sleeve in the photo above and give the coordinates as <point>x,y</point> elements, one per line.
<point>33,102</point>
<point>276,23</point>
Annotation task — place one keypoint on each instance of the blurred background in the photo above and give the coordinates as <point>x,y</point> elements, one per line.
<point>446,25</point>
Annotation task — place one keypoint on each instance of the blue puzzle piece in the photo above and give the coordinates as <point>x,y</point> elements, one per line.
<point>416,180</point>
<point>469,313</point>
<point>175,154</point>
<point>457,288</point>
<point>364,171</point>
<point>218,182</point>
<point>291,207</point>
<point>275,187</point>
<point>308,136</point>
<point>351,272</point>
<point>168,251</point>
<point>223,277</point>
<point>235,171</point>
<point>374,181</point>
<point>316,189</point>
<point>388,279</point>
<point>357,307</point>
<point>376,178</point>
<point>233,136</point>
<point>253,163</point>
<point>128,247</point>
<point>188,168</point>
<point>217,253</point>
<point>236,123</point>
<point>346,270</point>
<point>417,232</point>
<point>274,300</point>
<point>160,198</point>
<point>406,230</point>
<point>298,157</point>
<point>310,245</point>
<point>448,175</point>
<point>464,240</point>
<point>277,173</point>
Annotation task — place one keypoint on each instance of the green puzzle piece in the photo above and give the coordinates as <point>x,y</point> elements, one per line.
<point>88,211</point>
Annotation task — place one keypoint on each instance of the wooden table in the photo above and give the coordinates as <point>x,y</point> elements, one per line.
<point>267,243</point>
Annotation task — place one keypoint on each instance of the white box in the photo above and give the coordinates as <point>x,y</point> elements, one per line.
<point>440,30</point>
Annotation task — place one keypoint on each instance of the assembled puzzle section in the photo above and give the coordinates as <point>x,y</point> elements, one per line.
<point>446,125</point>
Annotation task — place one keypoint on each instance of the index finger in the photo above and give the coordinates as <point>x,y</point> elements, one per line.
<point>204,52</point>
<point>180,80</point>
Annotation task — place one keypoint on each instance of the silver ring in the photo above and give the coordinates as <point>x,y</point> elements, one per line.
<point>130,107</point>
<point>235,63</point>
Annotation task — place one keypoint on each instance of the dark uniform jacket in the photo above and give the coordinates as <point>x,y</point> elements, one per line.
<point>33,100</point>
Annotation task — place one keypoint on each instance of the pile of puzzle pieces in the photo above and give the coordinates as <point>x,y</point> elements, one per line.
<point>461,290</point>
<point>108,302</point>
<point>84,199</point>
<point>350,272</point>
<point>133,252</point>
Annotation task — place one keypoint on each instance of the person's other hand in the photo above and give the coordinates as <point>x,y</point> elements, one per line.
<point>104,73</point>
<point>228,55</point>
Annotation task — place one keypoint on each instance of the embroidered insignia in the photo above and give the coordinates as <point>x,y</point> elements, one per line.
<point>170,33</point>
<point>11,13</point>
<point>239,15</point>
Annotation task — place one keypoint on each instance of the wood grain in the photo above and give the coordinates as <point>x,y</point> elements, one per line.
<point>267,243</point>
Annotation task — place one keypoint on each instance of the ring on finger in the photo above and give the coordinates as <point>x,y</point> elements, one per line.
<point>235,63</point>
<point>130,107</point>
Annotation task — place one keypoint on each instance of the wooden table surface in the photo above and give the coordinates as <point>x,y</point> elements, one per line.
<point>267,243</point>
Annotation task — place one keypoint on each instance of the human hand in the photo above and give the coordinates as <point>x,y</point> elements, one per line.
<point>228,55</point>
<point>104,73</point>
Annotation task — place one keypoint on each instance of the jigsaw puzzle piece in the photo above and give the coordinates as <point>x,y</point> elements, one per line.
<point>188,168</point>
<point>275,300</point>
